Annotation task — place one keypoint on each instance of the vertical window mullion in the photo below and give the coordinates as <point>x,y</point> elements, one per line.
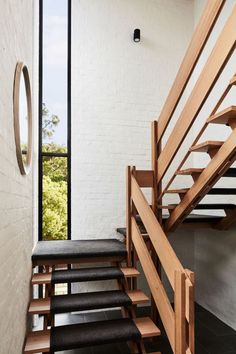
<point>41,137</point>
<point>40,103</point>
<point>69,13</point>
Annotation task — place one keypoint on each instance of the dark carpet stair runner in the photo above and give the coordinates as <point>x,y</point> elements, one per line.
<point>87,301</point>
<point>69,276</point>
<point>58,338</point>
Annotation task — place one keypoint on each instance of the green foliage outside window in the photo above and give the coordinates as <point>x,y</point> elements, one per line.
<point>54,184</point>
<point>54,209</point>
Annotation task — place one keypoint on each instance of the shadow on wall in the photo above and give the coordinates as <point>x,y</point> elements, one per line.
<point>215,264</point>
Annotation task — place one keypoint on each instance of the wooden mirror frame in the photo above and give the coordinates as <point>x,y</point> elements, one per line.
<point>22,69</point>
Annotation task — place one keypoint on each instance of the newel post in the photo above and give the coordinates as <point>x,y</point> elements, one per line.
<point>180,319</point>
<point>128,217</point>
<point>154,165</point>
<point>156,190</point>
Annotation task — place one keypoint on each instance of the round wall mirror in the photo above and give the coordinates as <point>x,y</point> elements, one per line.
<point>22,105</point>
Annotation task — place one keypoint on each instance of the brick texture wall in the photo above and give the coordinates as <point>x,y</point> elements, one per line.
<point>118,88</point>
<point>16,34</point>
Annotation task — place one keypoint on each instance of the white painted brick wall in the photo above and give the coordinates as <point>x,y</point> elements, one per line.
<point>16,34</point>
<point>118,88</point>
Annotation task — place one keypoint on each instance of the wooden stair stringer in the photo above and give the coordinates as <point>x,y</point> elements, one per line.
<point>209,176</point>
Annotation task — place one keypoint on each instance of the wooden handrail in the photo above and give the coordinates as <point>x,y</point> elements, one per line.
<point>178,321</point>
<point>200,37</point>
<point>216,62</point>
<point>165,252</point>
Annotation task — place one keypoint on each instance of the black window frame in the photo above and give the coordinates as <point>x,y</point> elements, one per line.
<point>42,154</point>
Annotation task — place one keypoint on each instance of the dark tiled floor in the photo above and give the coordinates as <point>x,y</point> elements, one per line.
<point>212,335</point>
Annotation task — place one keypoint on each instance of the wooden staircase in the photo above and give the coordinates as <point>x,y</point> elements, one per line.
<point>51,255</point>
<point>147,224</point>
<point>222,153</point>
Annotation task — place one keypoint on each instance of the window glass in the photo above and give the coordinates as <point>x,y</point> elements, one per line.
<point>54,198</point>
<point>54,120</point>
<point>54,169</point>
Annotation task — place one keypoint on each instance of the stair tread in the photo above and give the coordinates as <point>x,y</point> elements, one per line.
<point>38,341</point>
<point>197,218</point>
<point>178,191</point>
<point>89,334</point>
<point>220,191</point>
<point>130,272</point>
<point>231,172</point>
<point>223,191</point>
<point>192,218</point>
<point>214,206</point>
<point>84,274</point>
<point>224,116</point>
<point>168,207</point>
<point>87,301</point>
<point>137,297</point>
<point>206,146</point>
<point>122,231</point>
<point>78,250</point>
<point>189,171</point>
<point>87,274</point>
<point>203,206</point>
<point>147,327</point>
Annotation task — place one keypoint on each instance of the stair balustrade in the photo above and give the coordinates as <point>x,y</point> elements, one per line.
<point>178,320</point>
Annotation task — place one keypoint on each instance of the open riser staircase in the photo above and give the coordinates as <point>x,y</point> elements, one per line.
<point>147,224</point>
<point>222,153</point>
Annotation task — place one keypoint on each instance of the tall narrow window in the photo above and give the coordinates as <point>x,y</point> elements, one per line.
<point>54,120</point>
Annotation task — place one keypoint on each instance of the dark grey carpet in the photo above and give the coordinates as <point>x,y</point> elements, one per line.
<point>212,335</point>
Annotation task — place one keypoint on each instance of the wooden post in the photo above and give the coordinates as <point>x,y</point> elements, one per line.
<point>128,216</point>
<point>155,152</point>
<point>180,320</point>
<point>190,309</point>
<point>154,165</point>
<point>134,212</point>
